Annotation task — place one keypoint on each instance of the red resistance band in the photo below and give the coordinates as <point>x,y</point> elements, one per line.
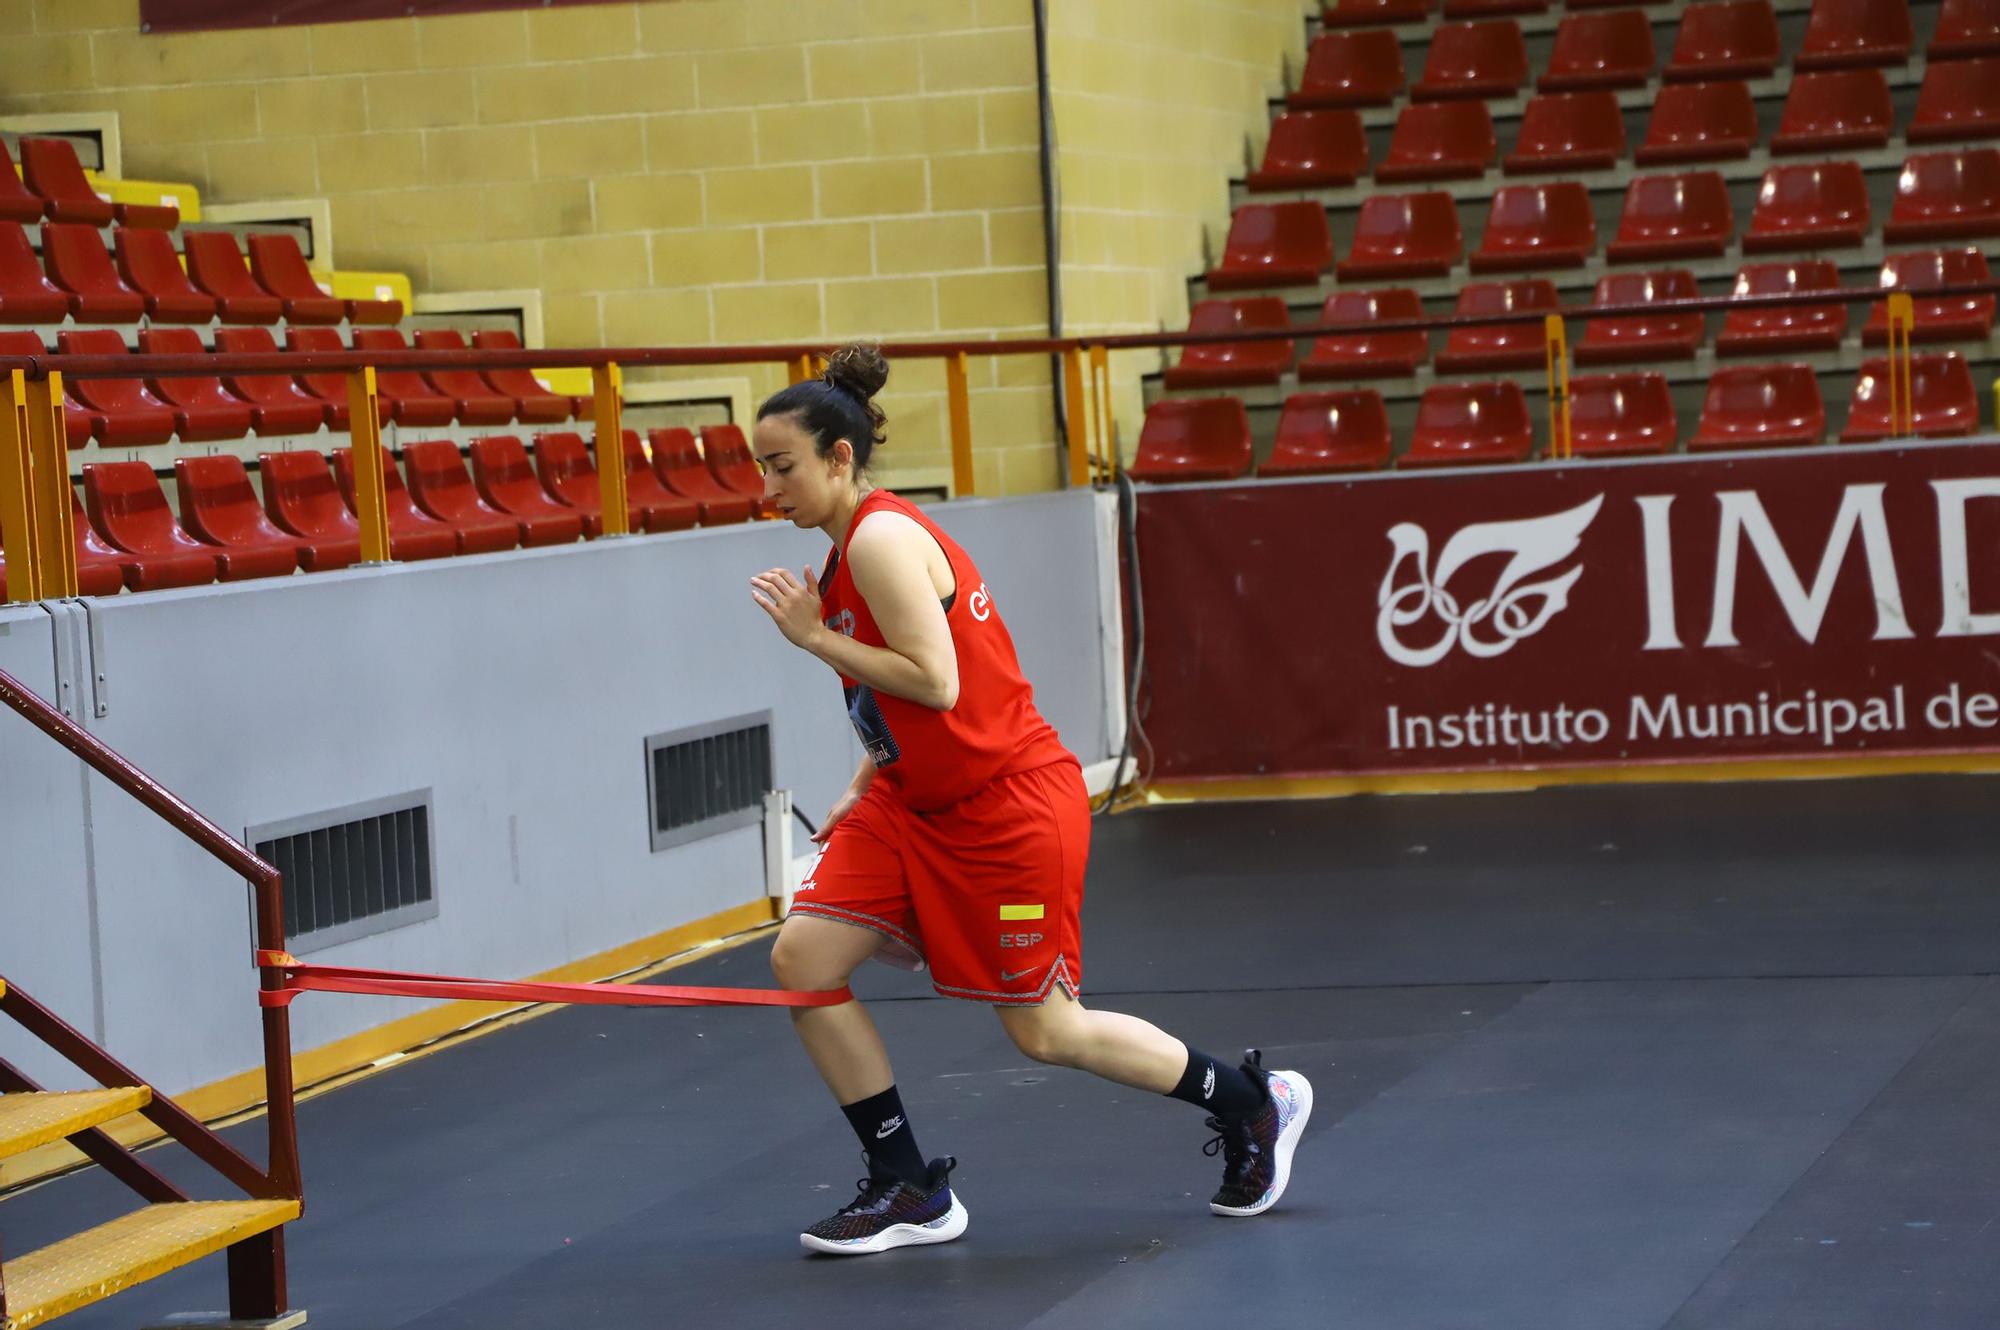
<point>301,978</point>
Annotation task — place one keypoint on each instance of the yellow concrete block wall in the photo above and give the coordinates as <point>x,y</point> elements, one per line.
<point>678,172</point>
<point>1158,104</point>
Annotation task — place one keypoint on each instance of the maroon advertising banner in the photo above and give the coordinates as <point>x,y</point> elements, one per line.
<point>204,15</point>
<point>1681,610</point>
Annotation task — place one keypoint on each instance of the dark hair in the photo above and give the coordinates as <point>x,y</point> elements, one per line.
<point>840,403</point>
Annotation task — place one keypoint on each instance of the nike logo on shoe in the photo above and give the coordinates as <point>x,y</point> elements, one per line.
<point>1007,978</point>
<point>883,1132</point>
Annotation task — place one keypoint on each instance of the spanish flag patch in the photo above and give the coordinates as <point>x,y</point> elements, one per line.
<point>1012,912</point>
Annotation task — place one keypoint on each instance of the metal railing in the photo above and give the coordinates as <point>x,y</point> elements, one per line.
<point>35,510</point>
<point>256,1265</point>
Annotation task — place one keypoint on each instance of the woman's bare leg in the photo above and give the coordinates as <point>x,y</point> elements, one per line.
<point>816,954</point>
<point>1065,1033</point>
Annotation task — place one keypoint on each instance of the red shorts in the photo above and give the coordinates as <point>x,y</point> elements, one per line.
<point>985,892</point>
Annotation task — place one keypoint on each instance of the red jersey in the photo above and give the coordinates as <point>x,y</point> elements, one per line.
<point>932,759</point>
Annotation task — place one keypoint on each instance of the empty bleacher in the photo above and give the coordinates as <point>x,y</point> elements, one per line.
<point>1615,153</point>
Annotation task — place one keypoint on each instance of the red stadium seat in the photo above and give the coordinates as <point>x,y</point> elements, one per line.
<point>1621,415</point>
<point>217,267</point>
<point>1946,196</point>
<point>280,268</point>
<point>507,481</point>
<point>129,509</point>
<point>411,399</point>
<point>568,476</point>
<point>1274,244</point>
<point>1324,433</point>
<point>1730,39</point>
<point>443,488</point>
<point>1946,405</point>
<point>1403,235</point>
<point>1842,34</point>
<point>18,203</point>
<point>78,263</point>
<point>533,404</point>
<point>1821,206</point>
<point>727,454</point>
<point>1673,217</point>
<point>1373,13</point>
<point>49,167</point>
<point>1470,424</point>
<point>219,506</point>
<point>277,404</point>
<point>1493,8</point>
<point>1835,109</point>
<point>1533,227</point>
<point>1350,69</point>
<point>26,293</point>
<point>277,265</point>
<point>1789,329</point>
<point>677,464</point>
<point>476,401</point>
<point>1391,355</point>
<point>1938,318</point>
<point>123,414</point>
<point>301,500</point>
<point>1474,60</point>
<point>204,409</point>
<point>1568,131</point>
<point>413,533</point>
<point>1626,341</point>
<point>329,387</point>
<point>1761,406</point>
<point>1612,50</point>
<point>147,262</point>
<point>1966,28</point>
<point>78,420</point>
<point>665,510</point>
<point>1699,122</point>
<point>1503,346</point>
<point>1312,150</point>
<point>1229,364</point>
<point>100,569</point>
<point>1439,141</point>
<point>1197,438</point>
<point>1960,100</point>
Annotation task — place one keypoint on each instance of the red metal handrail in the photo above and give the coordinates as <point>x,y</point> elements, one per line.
<point>257,1282</point>
<point>140,365</point>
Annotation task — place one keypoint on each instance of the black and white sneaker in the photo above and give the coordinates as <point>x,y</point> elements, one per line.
<point>1257,1146</point>
<point>891,1213</point>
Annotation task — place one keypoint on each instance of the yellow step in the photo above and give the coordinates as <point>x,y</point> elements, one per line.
<point>110,1258</point>
<point>30,1120</point>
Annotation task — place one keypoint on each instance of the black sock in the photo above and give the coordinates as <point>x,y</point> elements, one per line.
<point>884,1131</point>
<point>1220,1089</point>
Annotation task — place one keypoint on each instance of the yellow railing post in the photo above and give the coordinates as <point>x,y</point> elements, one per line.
<point>1103,427</point>
<point>48,457</point>
<point>1556,339</point>
<point>1902,399</point>
<point>799,369</point>
<point>607,386</point>
<point>370,489</point>
<point>18,527</point>
<point>960,402</point>
<point>1077,416</point>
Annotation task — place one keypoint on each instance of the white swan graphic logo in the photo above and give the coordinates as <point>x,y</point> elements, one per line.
<point>1513,610</point>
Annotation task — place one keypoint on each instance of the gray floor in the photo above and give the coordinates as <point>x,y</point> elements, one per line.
<point>1623,1057</point>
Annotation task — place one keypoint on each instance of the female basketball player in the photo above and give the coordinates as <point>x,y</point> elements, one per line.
<point>960,842</point>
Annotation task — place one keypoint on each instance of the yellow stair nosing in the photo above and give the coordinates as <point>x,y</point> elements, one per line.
<point>28,1121</point>
<point>94,1265</point>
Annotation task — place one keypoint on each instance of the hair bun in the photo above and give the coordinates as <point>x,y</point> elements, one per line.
<point>858,368</point>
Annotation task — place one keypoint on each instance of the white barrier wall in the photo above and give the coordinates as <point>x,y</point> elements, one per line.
<point>518,690</point>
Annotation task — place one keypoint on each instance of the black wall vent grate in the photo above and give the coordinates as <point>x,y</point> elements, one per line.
<point>709,779</point>
<point>354,871</point>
